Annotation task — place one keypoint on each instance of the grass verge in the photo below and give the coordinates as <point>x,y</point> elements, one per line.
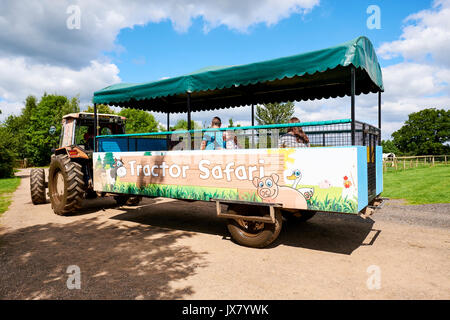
<point>418,186</point>
<point>7,187</point>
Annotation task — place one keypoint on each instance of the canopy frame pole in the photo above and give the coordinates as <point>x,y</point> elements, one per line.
<point>379,117</point>
<point>168,121</point>
<point>352,92</point>
<point>95,127</point>
<point>189,110</point>
<point>253,123</point>
<point>168,129</point>
<point>253,115</point>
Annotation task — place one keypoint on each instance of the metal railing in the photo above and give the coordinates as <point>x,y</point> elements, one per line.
<point>320,134</point>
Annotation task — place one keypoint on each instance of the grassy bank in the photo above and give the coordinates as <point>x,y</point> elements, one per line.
<point>7,187</point>
<point>419,186</point>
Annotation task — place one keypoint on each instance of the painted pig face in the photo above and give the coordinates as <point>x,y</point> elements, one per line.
<point>267,187</point>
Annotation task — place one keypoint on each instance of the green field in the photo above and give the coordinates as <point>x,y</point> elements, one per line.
<point>419,185</point>
<point>7,187</point>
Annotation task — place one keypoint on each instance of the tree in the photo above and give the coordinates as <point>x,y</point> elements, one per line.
<point>182,125</point>
<point>274,113</point>
<point>7,154</point>
<point>424,133</point>
<point>29,132</point>
<point>231,123</point>
<point>139,121</point>
<point>101,108</point>
<point>390,147</point>
<point>108,160</point>
<point>47,113</point>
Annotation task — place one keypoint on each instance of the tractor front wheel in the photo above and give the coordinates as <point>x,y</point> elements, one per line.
<point>65,185</point>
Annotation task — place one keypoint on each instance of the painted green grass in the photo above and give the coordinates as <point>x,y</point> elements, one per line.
<point>338,204</point>
<point>324,200</point>
<point>330,199</point>
<point>181,192</point>
<point>418,186</point>
<point>7,187</point>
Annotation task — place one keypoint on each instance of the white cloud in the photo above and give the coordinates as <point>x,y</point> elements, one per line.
<point>38,29</point>
<point>40,53</point>
<point>19,78</point>
<point>425,36</point>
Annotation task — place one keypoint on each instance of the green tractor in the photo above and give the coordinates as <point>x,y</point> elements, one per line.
<point>70,177</point>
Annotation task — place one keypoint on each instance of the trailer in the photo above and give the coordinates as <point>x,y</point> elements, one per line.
<point>259,181</point>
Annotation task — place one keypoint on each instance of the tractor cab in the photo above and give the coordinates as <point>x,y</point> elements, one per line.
<point>78,132</point>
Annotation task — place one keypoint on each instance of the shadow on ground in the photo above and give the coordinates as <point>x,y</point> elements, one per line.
<point>116,261</point>
<point>335,233</point>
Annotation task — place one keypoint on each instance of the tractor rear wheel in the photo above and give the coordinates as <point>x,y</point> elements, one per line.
<point>37,186</point>
<point>65,185</point>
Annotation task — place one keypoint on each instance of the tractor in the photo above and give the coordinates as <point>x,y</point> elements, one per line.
<point>70,177</point>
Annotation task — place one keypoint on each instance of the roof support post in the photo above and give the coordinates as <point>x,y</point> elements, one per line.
<point>95,127</point>
<point>168,121</point>
<point>253,115</point>
<point>352,92</point>
<point>253,123</point>
<point>379,116</point>
<point>189,110</point>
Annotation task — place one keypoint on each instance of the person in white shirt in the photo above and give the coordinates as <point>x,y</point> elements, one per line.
<point>294,138</point>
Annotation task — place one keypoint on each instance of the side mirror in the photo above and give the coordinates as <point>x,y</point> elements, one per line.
<point>52,130</point>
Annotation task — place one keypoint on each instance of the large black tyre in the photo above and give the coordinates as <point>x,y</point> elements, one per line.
<point>254,234</point>
<point>37,186</point>
<point>297,215</point>
<point>65,185</point>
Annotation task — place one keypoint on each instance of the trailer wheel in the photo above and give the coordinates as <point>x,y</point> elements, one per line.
<point>298,215</point>
<point>65,185</point>
<point>37,186</point>
<point>254,234</point>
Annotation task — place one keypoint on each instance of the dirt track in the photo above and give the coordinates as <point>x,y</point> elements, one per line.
<point>167,249</point>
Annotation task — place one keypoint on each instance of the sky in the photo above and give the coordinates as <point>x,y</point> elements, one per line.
<point>74,48</point>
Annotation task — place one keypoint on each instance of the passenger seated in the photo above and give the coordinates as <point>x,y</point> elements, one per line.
<point>231,141</point>
<point>294,138</point>
<point>213,140</point>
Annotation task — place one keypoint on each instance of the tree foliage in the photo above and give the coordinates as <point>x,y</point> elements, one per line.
<point>29,132</point>
<point>139,121</point>
<point>390,147</point>
<point>426,132</point>
<point>183,125</point>
<point>101,108</point>
<point>7,154</point>
<point>274,113</point>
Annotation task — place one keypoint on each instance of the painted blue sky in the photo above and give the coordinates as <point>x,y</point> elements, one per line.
<point>43,49</point>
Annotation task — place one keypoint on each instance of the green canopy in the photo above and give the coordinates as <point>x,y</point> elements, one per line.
<point>308,76</point>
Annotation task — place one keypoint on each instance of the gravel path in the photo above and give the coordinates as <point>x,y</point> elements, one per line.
<point>168,249</point>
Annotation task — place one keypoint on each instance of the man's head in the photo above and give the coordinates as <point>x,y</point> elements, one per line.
<point>216,122</point>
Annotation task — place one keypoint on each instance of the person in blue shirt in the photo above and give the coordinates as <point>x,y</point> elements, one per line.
<point>213,140</point>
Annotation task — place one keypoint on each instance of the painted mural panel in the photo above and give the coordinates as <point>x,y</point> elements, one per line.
<point>322,179</point>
